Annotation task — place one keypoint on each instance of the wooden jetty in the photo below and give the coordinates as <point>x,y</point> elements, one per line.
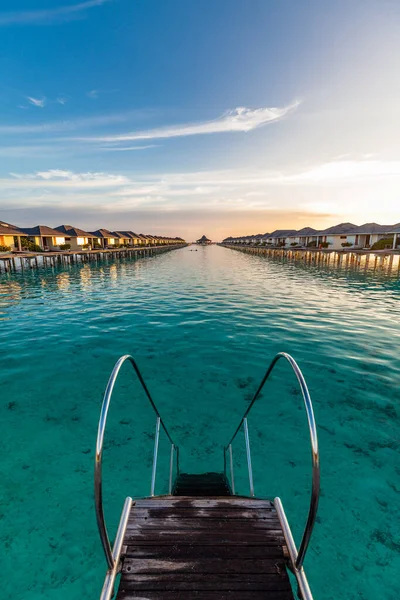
<point>203,540</point>
<point>384,261</point>
<point>212,547</point>
<point>33,260</point>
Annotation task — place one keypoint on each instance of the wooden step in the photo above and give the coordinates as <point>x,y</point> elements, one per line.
<point>212,548</point>
<point>202,484</point>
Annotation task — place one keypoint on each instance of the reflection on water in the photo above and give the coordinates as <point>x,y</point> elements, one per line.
<point>203,327</point>
<point>63,282</point>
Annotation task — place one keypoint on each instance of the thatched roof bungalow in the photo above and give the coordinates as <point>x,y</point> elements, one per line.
<point>45,237</point>
<point>203,241</point>
<point>10,236</point>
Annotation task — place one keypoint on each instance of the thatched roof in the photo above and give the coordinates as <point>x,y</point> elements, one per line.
<point>70,231</point>
<point>279,233</point>
<point>42,231</point>
<point>341,228</point>
<point>102,233</point>
<point>307,231</point>
<point>370,228</point>
<point>8,229</point>
<point>127,234</point>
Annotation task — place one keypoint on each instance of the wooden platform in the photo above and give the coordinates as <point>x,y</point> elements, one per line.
<point>185,547</point>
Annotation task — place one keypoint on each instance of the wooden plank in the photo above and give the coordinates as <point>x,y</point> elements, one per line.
<point>209,548</point>
<point>209,595</point>
<point>199,578</point>
<point>205,540</point>
<point>207,584</point>
<point>140,525</point>
<point>157,533</point>
<point>202,513</point>
<point>221,531</point>
<point>189,502</point>
<point>201,565</point>
<point>178,551</point>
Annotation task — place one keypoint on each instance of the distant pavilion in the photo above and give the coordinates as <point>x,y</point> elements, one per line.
<point>203,241</point>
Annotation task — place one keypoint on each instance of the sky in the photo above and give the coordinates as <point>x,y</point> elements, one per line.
<point>216,117</point>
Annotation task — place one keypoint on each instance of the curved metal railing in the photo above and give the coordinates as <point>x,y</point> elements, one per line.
<point>98,482</point>
<point>315,488</point>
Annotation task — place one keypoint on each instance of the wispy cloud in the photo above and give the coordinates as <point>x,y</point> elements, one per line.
<point>70,125</point>
<point>298,195</point>
<point>128,148</point>
<point>42,150</point>
<point>238,120</point>
<point>349,170</point>
<point>230,190</point>
<point>62,100</point>
<point>94,94</point>
<point>66,178</point>
<point>251,182</point>
<point>47,16</point>
<point>39,102</point>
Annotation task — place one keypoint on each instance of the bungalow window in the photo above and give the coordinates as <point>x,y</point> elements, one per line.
<point>80,241</point>
<point>60,240</point>
<point>67,239</point>
<point>343,237</point>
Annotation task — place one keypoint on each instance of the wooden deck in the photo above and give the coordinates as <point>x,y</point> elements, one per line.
<point>185,547</point>
<point>12,262</point>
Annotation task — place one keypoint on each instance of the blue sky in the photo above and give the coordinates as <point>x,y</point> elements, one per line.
<point>184,117</point>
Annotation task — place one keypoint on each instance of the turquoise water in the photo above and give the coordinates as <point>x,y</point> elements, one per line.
<point>203,327</point>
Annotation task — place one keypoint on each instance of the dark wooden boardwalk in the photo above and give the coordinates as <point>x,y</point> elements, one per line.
<point>184,547</point>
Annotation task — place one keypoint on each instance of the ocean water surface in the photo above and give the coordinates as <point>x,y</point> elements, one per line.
<point>203,327</point>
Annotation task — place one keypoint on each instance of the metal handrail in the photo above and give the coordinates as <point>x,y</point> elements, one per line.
<point>98,482</point>
<point>315,488</point>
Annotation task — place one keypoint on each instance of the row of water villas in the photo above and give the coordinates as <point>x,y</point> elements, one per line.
<point>46,238</point>
<point>369,247</point>
<point>338,237</point>
<point>43,246</point>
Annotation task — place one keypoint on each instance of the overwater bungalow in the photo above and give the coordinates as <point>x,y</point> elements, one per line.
<point>10,236</point>
<point>104,238</point>
<point>128,238</point>
<point>122,238</point>
<point>306,237</point>
<point>337,237</point>
<point>44,237</point>
<point>356,237</point>
<point>370,233</point>
<point>145,239</point>
<point>203,241</point>
<point>77,238</point>
<point>282,237</point>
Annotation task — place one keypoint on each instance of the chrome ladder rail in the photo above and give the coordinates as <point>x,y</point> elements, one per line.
<point>296,557</point>
<point>113,555</point>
